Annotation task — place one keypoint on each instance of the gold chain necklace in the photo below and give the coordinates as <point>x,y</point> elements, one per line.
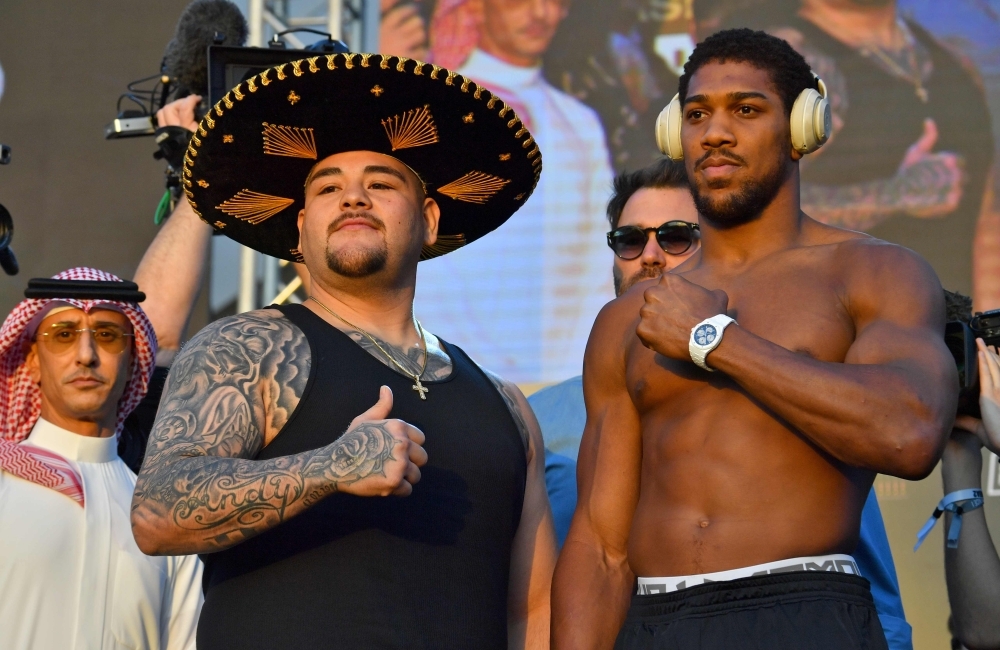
<point>914,76</point>
<point>417,386</point>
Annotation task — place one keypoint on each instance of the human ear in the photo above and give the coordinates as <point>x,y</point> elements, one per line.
<point>432,217</point>
<point>33,364</point>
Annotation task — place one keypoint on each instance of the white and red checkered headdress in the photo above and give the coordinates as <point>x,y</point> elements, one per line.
<point>20,397</point>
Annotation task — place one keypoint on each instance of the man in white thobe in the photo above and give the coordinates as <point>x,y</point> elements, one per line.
<point>74,362</point>
<point>522,301</point>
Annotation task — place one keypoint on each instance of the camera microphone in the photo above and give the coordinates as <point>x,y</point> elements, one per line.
<point>203,23</point>
<point>184,69</point>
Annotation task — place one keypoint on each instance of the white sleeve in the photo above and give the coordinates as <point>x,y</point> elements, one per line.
<point>181,604</point>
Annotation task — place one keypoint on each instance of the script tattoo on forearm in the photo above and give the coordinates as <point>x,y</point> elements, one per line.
<point>510,399</point>
<point>238,378</point>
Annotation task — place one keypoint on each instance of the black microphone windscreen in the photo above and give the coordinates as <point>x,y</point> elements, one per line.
<point>186,56</point>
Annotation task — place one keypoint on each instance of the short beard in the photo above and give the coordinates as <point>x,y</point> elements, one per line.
<point>358,263</point>
<point>623,284</point>
<point>743,206</point>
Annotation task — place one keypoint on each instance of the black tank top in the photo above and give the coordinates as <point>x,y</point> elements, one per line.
<point>425,571</point>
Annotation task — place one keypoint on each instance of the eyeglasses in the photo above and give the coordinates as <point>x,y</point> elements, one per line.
<point>674,237</point>
<point>61,338</point>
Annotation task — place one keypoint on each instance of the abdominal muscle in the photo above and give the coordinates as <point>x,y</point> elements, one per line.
<point>728,486</point>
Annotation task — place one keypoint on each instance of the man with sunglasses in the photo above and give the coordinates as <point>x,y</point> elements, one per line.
<point>76,357</point>
<point>739,408</point>
<point>641,201</point>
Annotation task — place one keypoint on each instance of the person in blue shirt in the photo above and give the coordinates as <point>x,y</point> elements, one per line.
<point>653,200</point>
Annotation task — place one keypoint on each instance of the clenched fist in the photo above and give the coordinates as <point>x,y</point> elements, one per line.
<point>377,456</point>
<point>674,306</point>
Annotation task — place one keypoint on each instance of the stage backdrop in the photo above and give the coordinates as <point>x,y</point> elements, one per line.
<point>76,198</point>
<point>910,161</point>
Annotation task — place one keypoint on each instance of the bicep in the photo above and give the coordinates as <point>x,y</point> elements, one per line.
<point>897,305</point>
<point>210,407</point>
<point>610,458</point>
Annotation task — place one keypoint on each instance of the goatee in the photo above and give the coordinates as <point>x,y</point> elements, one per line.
<point>358,262</point>
<point>745,204</point>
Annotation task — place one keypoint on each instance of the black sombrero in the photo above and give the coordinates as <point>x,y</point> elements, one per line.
<point>245,169</point>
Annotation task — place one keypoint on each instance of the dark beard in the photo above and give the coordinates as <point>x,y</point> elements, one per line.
<point>743,206</point>
<point>624,284</point>
<point>359,263</point>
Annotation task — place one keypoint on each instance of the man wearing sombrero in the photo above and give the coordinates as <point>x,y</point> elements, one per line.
<point>76,358</point>
<point>350,479</point>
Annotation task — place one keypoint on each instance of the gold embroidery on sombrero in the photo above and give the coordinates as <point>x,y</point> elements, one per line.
<point>418,68</point>
<point>364,60</point>
<point>450,80</point>
<point>196,140</point>
<point>220,224</point>
<point>520,132</point>
<point>330,58</point>
<point>296,68</point>
<point>254,207</point>
<point>384,63</point>
<point>534,152</point>
<point>187,172</point>
<point>399,64</point>
<point>349,60</point>
<point>252,84</point>
<point>227,138</point>
<point>465,84</point>
<point>503,111</point>
<point>527,143</point>
<point>201,131</point>
<point>474,187</point>
<point>504,157</point>
<point>414,128</point>
<point>469,119</point>
<point>186,181</point>
<point>292,141</point>
<point>202,183</point>
<point>293,98</point>
<point>209,121</point>
<point>493,102</point>
<point>377,90</point>
<point>239,95</point>
<point>519,197</point>
<point>263,78</point>
<point>281,71</point>
<point>312,64</point>
<point>435,69</point>
<point>297,255</point>
<point>515,120</point>
<point>444,244</point>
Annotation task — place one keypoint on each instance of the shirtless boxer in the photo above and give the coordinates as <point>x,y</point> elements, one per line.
<point>727,500</point>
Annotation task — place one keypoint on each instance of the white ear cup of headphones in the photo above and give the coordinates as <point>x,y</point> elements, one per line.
<point>811,123</point>
<point>668,129</point>
<point>811,120</point>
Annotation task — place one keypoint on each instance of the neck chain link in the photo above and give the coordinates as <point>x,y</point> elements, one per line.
<point>417,386</point>
<point>915,74</point>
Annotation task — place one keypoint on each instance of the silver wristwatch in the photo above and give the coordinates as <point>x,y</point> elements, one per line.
<point>705,337</point>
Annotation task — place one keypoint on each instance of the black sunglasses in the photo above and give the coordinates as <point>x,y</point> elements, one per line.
<point>674,237</point>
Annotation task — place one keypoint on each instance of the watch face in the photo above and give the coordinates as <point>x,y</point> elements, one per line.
<point>705,335</point>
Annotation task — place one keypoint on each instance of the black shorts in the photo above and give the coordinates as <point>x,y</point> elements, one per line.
<point>795,611</point>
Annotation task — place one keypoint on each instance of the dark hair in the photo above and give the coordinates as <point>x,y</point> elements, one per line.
<point>789,71</point>
<point>663,173</point>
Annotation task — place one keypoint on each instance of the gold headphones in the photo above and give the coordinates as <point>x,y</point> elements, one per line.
<point>811,122</point>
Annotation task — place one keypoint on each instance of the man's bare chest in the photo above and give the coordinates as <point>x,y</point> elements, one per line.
<point>802,309</point>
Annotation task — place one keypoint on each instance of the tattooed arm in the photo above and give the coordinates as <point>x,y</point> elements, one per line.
<point>230,391</point>
<point>533,557</point>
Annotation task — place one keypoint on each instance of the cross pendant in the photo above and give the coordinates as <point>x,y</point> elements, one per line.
<point>420,389</point>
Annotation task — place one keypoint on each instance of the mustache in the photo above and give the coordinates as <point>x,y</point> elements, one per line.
<point>366,216</point>
<point>86,374</point>
<point>720,153</point>
<point>645,273</point>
